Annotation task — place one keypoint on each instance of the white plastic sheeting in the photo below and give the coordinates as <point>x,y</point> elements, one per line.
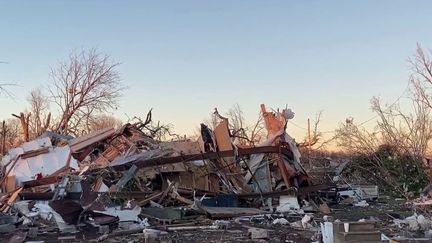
<point>327,232</point>
<point>46,164</point>
<point>124,215</point>
<point>288,204</point>
<point>26,147</point>
<point>43,210</point>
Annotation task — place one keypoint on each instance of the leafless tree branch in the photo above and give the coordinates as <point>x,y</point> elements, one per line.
<point>85,84</point>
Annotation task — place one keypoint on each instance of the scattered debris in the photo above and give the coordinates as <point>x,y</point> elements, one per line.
<point>120,182</point>
<point>362,203</point>
<point>281,221</point>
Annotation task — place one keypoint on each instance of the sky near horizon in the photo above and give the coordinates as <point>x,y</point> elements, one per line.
<point>184,58</point>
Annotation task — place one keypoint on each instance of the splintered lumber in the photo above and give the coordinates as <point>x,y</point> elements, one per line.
<point>9,184</point>
<point>84,141</point>
<point>228,165</point>
<point>176,196</point>
<point>222,136</point>
<point>110,154</point>
<point>127,176</point>
<point>151,197</point>
<point>9,170</point>
<point>34,153</point>
<point>179,198</point>
<point>24,119</point>
<point>98,184</point>
<point>166,192</point>
<point>43,181</point>
<point>275,123</point>
<point>10,200</point>
<point>283,172</point>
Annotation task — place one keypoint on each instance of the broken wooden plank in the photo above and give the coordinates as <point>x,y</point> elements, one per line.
<point>284,173</point>
<point>9,184</point>
<point>176,196</point>
<point>11,200</point>
<point>127,176</point>
<point>34,153</point>
<point>91,138</point>
<point>9,170</point>
<point>152,197</point>
<point>274,123</point>
<point>222,136</point>
<point>143,163</point>
<point>166,192</point>
<point>43,181</point>
<point>181,199</point>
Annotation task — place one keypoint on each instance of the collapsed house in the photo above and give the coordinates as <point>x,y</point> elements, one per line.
<point>110,177</point>
<point>126,159</point>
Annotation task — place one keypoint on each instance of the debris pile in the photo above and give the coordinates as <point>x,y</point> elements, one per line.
<point>113,179</point>
<point>120,182</point>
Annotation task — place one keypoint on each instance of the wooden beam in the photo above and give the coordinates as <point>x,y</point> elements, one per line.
<point>202,156</point>
<point>127,176</point>
<point>152,197</point>
<point>10,169</point>
<point>43,181</point>
<point>10,201</point>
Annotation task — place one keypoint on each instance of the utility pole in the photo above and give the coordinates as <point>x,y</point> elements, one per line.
<point>309,145</point>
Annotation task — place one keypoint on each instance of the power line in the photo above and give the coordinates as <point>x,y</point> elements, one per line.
<point>365,121</point>
<point>303,128</point>
<point>390,106</point>
<point>297,125</point>
<point>329,131</point>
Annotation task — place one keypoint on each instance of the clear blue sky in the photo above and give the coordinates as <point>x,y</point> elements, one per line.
<point>183,58</point>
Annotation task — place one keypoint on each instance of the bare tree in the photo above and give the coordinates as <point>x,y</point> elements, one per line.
<point>257,130</point>
<point>85,84</point>
<point>40,116</point>
<point>408,131</point>
<point>316,135</point>
<point>362,146</point>
<point>236,119</point>
<point>102,121</point>
<point>356,140</point>
<point>24,119</point>
<point>392,152</point>
<point>10,134</point>
<point>421,66</point>
<point>37,120</point>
